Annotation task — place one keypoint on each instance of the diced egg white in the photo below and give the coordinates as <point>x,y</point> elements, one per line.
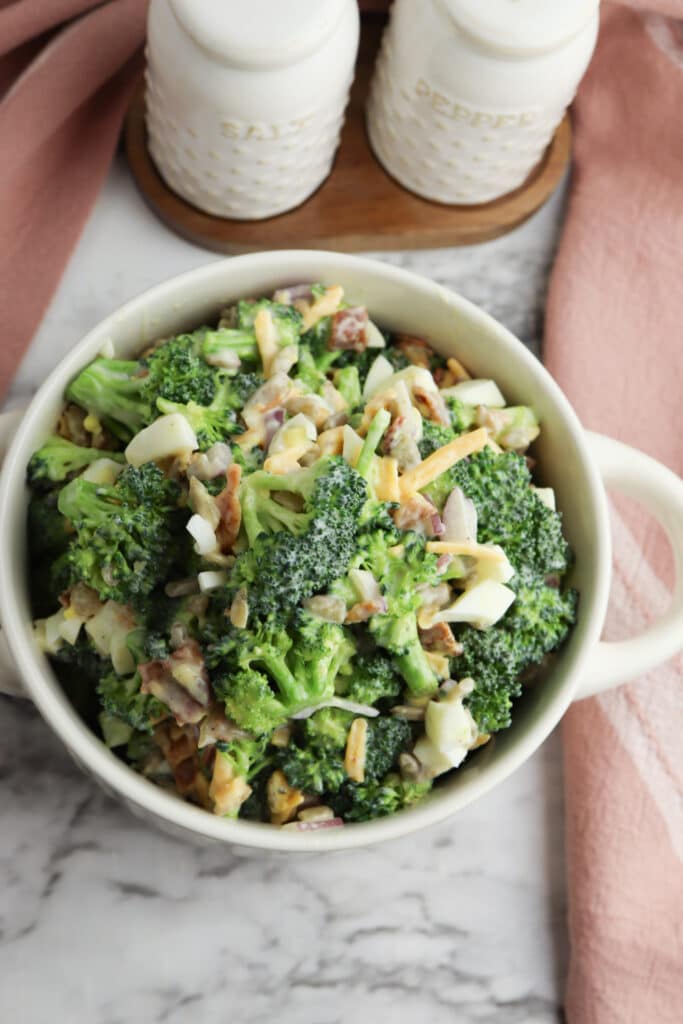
<point>436,761</point>
<point>202,533</point>
<point>353,445</point>
<point>102,471</point>
<point>211,580</point>
<point>481,605</point>
<point>108,631</point>
<point>497,570</point>
<point>167,436</point>
<point>476,392</point>
<point>412,376</point>
<point>374,336</point>
<point>380,372</point>
<point>450,725</point>
<point>292,434</point>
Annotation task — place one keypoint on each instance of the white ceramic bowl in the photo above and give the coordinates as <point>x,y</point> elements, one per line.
<point>575,463</point>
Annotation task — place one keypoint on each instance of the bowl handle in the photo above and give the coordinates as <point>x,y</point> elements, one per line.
<point>9,677</point>
<point>660,491</point>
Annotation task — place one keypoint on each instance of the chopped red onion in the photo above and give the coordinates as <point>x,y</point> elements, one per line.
<point>338,702</point>
<point>313,826</point>
<point>438,527</point>
<point>442,562</point>
<point>293,292</point>
<point>273,420</point>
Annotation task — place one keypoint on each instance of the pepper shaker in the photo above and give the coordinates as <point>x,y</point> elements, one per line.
<point>245,100</point>
<point>467,95</point>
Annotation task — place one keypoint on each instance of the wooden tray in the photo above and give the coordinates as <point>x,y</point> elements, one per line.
<point>359,206</point>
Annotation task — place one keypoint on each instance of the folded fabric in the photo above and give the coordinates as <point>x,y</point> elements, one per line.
<point>67,69</point>
<point>613,340</point>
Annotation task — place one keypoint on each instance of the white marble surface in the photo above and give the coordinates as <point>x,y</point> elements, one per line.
<point>104,921</point>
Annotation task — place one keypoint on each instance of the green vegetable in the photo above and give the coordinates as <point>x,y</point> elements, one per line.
<point>116,390</point>
<point>537,623</point>
<point>120,698</point>
<point>287,319</point>
<point>386,739</point>
<point>509,512</point>
<point>267,672</point>
<point>216,421</point>
<point>313,770</point>
<point>58,458</point>
<point>367,800</point>
<point>228,341</point>
<point>292,555</point>
<point>372,678</point>
<point>399,576</point>
<point>124,534</point>
<point>347,383</point>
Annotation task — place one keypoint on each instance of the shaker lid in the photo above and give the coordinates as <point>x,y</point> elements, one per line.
<point>522,26</point>
<point>258,33</point>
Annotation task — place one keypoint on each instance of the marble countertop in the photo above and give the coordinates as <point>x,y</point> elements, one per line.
<point>105,921</point>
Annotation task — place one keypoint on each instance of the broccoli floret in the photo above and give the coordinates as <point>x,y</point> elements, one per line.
<point>250,701</point>
<point>116,390</point>
<point>120,698</point>
<point>124,534</point>
<point>311,548</point>
<point>250,460</point>
<point>386,739</point>
<point>287,319</point>
<point>216,421</point>
<point>399,576</point>
<point>367,800</point>
<point>311,370</point>
<point>373,678</point>
<point>58,458</point>
<point>269,672</point>
<point>229,341</point>
<point>462,415</point>
<point>509,512</point>
<point>177,372</point>
<point>313,770</point>
<point>47,528</point>
<point>328,729</point>
<point>537,622</point>
<point>347,383</point>
<point>246,754</point>
<point>434,436</point>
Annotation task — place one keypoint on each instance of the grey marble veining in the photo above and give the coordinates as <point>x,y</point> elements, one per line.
<point>105,921</point>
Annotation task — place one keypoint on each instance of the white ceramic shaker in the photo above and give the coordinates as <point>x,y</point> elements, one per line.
<point>246,98</point>
<point>467,94</point>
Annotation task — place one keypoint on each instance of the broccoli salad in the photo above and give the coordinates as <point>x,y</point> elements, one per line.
<point>291,567</point>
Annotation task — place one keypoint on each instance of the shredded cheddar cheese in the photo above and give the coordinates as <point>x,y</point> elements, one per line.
<point>441,460</point>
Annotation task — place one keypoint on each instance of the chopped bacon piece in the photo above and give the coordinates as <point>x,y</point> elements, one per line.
<point>415,514</point>
<point>349,329</point>
<point>229,507</point>
<point>432,406</point>
<point>439,639</point>
<point>364,610</point>
<point>181,682</point>
<point>187,667</point>
<point>217,726</point>
<point>416,350</point>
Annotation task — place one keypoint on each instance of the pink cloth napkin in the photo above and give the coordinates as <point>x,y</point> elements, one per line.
<point>67,68</point>
<point>614,340</point>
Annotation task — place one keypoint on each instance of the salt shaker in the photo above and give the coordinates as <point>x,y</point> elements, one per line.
<point>245,100</point>
<point>466,94</point>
